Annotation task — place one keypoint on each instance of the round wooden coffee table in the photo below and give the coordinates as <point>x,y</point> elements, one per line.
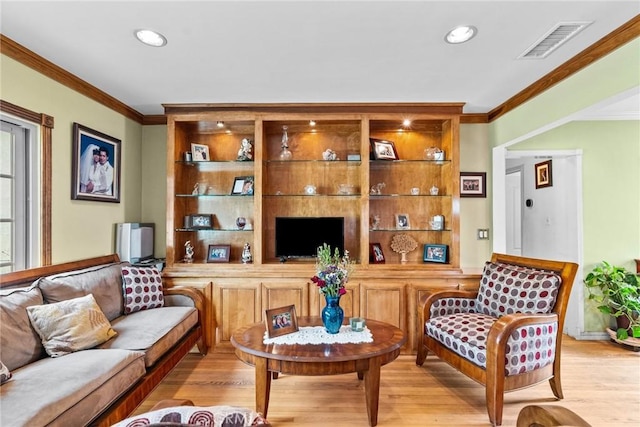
<point>323,359</point>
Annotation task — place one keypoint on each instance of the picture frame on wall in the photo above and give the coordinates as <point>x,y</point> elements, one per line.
<point>473,184</point>
<point>435,253</point>
<point>281,321</point>
<point>383,149</point>
<point>96,165</point>
<point>376,256</point>
<point>544,178</point>
<point>200,153</point>
<point>218,253</point>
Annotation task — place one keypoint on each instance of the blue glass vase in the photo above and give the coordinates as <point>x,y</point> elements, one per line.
<point>332,315</point>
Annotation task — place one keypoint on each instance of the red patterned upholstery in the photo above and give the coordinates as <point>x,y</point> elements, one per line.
<point>505,290</point>
<point>507,335</point>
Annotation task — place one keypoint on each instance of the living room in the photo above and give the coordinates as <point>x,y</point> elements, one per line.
<point>545,123</point>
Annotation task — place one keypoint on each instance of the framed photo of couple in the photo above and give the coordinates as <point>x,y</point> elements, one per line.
<point>281,321</point>
<point>95,166</point>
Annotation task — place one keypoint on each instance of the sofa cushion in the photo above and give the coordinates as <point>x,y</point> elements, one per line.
<point>152,331</point>
<point>5,374</point>
<point>70,390</point>
<point>213,416</point>
<point>506,289</point>
<point>71,325</point>
<point>104,282</point>
<point>19,343</point>
<point>464,334</point>
<point>142,288</point>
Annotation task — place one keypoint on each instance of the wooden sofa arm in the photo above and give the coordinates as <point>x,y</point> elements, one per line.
<point>199,303</point>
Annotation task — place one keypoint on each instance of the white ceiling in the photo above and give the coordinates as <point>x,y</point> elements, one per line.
<point>305,51</point>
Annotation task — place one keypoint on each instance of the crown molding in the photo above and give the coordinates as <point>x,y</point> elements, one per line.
<point>36,62</point>
<point>622,35</point>
<point>612,41</point>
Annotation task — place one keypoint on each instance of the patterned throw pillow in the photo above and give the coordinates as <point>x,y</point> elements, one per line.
<point>212,416</point>
<point>71,325</point>
<point>506,289</point>
<point>5,375</point>
<point>142,288</point>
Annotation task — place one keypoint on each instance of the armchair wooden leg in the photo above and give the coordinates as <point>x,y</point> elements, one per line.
<point>556,386</point>
<point>495,401</point>
<point>422,353</point>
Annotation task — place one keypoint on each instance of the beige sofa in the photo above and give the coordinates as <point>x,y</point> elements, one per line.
<point>101,384</point>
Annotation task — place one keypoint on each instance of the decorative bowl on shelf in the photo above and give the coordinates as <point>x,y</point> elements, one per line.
<point>346,189</point>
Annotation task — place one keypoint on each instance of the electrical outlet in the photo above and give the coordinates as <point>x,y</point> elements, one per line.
<point>483,234</point>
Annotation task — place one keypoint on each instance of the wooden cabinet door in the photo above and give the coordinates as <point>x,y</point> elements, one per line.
<point>386,302</point>
<point>236,302</point>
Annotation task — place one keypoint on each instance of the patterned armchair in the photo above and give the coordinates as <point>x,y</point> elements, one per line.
<point>508,334</point>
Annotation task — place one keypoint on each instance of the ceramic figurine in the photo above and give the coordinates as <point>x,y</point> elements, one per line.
<point>188,256</point>
<point>246,254</point>
<point>245,151</point>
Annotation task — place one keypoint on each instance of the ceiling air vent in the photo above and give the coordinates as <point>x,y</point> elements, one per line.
<point>553,39</point>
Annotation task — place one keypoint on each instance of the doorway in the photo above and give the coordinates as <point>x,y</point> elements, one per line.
<point>545,222</point>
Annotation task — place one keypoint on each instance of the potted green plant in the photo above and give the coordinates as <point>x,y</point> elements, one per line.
<point>617,290</point>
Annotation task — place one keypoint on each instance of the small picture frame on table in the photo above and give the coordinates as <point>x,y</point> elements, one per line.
<point>383,149</point>
<point>201,221</point>
<point>543,174</point>
<point>200,153</point>
<point>376,256</point>
<point>281,321</point>
<point>473,184</point>
<point>218,253</point>
<point>242,186</point>
<point>402,221</point>
<point>435,253</point>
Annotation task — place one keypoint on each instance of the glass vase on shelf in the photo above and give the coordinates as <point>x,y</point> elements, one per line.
<point>285,154</point>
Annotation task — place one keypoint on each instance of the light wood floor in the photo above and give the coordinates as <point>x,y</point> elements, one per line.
<point>434,394</point>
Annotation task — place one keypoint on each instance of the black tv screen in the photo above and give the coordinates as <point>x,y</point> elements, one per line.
<point>299,237</point>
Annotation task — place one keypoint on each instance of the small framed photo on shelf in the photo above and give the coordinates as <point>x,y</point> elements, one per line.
<point>383,149</point>
<point>201,221</point>
<point>200,153</point>
<point>376,256</point>
<point>402,221</point>
<point>281,321</point>
<point>473,184</point>
<point>242,186</point>
<point>435,253</point>
<point>218,253</point>
<point>543,174</point>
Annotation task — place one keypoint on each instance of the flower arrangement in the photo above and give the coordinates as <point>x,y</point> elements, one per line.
<point>332,271</point>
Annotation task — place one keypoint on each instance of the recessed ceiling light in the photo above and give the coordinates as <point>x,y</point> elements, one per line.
<point>461,34</point>
<point>151,38</point>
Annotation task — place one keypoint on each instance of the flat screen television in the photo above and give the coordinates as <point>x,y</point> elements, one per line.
<point>299,237</point>
<point>135,241</point>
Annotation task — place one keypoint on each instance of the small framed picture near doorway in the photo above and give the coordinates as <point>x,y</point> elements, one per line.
<point>281,321</point>
<point>95,166</point>
<point>543,174</point>
<point>473,184</point>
